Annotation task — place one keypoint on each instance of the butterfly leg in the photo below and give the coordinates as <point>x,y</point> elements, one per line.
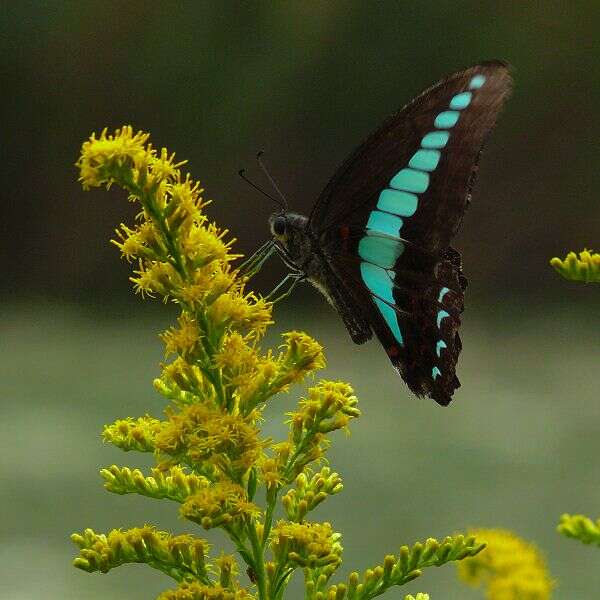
<point>254,263</point>
<point>295,277</point>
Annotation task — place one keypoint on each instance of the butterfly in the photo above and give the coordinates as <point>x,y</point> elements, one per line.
<point>377,242</point>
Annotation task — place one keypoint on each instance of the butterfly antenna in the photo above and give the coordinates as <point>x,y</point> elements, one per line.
<point>242,174</point>
<point>266,172</point>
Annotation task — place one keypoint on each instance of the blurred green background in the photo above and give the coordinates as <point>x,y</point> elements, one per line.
<point>217,81</point>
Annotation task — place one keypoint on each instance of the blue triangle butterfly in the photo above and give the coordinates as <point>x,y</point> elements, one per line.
<point>377,242</point>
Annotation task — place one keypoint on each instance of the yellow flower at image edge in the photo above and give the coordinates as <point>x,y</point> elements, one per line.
<point>509,567</point>
<point>584,268</point>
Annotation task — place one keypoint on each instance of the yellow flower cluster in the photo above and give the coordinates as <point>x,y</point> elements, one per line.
<point>584,268</point>
<point>510,568</point>
<point>220,504</point>
<point>198,591</point>
<point>133,434</point>
<point>581,528</point>
<point>309,545</point>
<point>329,406</point>
<point>104,159</point>
<point>181,556</point>
<point>174,483</point>
<point>309,493</point>
<point>211,441</point>
<point>180,254</point>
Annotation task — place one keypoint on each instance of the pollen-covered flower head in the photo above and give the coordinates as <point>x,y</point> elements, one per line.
<point>103,159</point>
<point>329,406</point>
<point>306,544</point>
<point>219,504</point>
<point>206,436</point>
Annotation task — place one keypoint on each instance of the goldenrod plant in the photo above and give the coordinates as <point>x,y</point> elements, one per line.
<point>580,527</point>
<point>509,568</point>
<point>585,267</point>
<point>211,458</point>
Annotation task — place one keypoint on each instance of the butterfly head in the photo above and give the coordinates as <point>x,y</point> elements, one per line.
<point>278,225</point>
<point>290,236</point>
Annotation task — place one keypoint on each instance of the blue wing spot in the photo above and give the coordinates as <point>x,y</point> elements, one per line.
<point>446,119</point>
<point>381,283</point>
<point>461,101</point>
<point>443,292</point>
<point>435,373</point>
<point>435,139</point>
<point>391,318</point>
<point>425,160</point>
<point>442,314</point>
<point>384,222</point>
<point>477,82</point>
<point>380,251</point>
<point>378,280</point>
<point>438,347</point>
<point>410,180</point>
<point>403,204</point>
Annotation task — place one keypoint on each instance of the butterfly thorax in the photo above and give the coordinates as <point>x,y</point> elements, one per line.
<point>300,250</point>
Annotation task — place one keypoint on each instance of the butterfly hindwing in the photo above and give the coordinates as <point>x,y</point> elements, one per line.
<point>387,217</point>
<point>416,322</point>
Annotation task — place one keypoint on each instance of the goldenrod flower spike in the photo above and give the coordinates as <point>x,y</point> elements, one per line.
<point>509,568</point>
<point>584,268</point>
<point>211,457</point>
<point>173,484</point>
<point>580,527</point>
<point>182,557</point>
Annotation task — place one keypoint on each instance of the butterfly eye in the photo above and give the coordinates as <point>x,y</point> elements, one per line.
<point>279,225</point>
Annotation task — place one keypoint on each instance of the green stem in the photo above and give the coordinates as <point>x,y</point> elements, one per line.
<point>214,375</point>
<point>299,449</point>
<point>242,549</point>
<point>269,514</point>
<point>259,560</point>
<point>158,218</point>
